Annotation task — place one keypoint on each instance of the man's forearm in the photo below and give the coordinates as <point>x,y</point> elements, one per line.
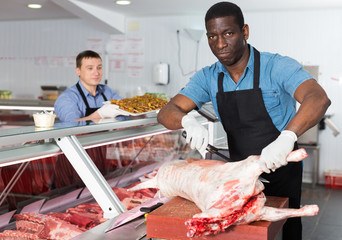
<point>171,117</point>
<point>172,113</point>
<point>309,113</point>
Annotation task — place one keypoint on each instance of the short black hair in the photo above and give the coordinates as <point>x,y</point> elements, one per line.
<point>86,54</point>
<point>224,9</point>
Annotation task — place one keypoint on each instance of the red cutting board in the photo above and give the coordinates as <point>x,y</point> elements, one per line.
<point>167,222</point>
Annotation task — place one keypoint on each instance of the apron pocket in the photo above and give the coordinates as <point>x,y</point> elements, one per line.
<point>272,104</point>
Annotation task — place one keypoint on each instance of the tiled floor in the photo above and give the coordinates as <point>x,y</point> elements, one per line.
<point>327,225</point>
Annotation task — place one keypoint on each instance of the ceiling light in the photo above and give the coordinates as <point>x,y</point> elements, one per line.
<point>33,5</point>
<point>123,2</point>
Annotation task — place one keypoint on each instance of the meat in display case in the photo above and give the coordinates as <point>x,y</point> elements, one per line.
<point>72,180</point>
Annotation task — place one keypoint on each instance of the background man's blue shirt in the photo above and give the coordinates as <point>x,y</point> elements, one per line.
<point>279,78</point>
<point>70,106</point>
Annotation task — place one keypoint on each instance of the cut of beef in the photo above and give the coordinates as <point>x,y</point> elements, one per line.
<point>81,221</point>
<point>131,199</point>
<point>226,193</point>
<point>46,227</point>
<point>18,235</point>
<point>87,210</point>
<point>74,221</point>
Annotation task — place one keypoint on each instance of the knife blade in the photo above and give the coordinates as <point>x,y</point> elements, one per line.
<point>214,150</point>
<point>210,148</point>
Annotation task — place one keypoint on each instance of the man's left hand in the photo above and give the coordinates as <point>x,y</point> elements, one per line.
<point>274,155</point>
<point>110,111</point>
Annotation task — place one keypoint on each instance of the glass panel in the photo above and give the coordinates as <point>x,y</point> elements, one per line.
<point>51,186</point>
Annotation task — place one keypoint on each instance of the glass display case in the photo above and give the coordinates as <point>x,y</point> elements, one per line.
<point>80,172</point>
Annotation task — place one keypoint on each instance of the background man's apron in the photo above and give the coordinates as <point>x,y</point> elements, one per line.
<point>249,129</point>
<point>89,110</point>
<point>65,175</point>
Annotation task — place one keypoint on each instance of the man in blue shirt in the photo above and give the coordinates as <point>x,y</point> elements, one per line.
<point>84,100</point>
<point>254,94</point>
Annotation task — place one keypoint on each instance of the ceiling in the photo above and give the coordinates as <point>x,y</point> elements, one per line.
<point>12,10</point>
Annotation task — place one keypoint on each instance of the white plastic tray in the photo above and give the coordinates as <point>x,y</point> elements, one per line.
<point>132,114</point>
<point>139,114</point>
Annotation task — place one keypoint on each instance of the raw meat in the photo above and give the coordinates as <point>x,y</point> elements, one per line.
<point>46,227</point>
<point>131,199</point>
<point>32,226</point>
<point>88,210</point>
<point>227,193</point>
<point>18,235</point>
<point>82,222</point>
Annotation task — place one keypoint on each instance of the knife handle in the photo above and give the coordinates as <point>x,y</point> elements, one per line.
<point>212,149</point>
<point>151,208</point>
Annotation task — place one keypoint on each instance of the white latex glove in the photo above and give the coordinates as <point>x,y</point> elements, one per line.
<point>110,111</point>
<point>107,120</point>
<point>195,133</point>
<point>274,155</point>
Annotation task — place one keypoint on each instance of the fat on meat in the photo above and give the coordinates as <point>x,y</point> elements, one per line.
<point>226,193</point>
<point>45,227</point>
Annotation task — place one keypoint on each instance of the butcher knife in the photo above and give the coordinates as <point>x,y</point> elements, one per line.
<point>211,149</point>
<point>214,150</point>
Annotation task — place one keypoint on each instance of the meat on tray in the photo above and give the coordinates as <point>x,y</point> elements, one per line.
<point>63,226</point>
<point>39,226</point>
<point>133,199</point>
<point>226,193</point>
<point>85,216</point>
<point>140,104</point>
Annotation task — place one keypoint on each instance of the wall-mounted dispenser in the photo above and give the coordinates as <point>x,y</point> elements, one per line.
<point>161,73</point>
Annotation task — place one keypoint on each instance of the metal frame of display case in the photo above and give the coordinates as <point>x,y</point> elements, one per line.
<point>70,140</point>
<point>27,104</point>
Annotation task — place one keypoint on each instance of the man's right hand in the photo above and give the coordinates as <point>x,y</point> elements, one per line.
<point>110,111</point>
<point>195,133</point>
<point>273,156</point>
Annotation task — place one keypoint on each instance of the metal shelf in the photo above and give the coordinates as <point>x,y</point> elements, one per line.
<point>26,104</point>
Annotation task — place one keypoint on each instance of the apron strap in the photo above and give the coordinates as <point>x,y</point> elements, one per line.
<point>82,95</point>
<point>256,75</point>
<point>84,98</point>
<point>220,82</point>
<point>104,97</point>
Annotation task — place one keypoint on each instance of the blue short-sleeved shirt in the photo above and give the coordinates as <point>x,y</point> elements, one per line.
<point>279,78</point>
<point>70,106</point>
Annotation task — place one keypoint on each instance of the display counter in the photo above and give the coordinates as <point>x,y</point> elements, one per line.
<point>84,169</point>
<point>57,170</point>
<point>18,112</point>
<point>26,104</point>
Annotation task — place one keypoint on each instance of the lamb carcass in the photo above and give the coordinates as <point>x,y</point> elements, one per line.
<point>226,193</point>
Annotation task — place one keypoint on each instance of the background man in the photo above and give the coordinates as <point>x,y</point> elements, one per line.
<point>84,100</point>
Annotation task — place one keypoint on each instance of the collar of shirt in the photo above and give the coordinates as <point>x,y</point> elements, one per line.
<point>99,90</point>
<point>249,67</point>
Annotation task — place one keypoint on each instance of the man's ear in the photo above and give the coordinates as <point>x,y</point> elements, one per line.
<point>78,71</point>
<point>245,31</point>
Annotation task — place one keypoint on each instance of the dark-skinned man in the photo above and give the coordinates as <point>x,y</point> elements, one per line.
<point>254,95</point>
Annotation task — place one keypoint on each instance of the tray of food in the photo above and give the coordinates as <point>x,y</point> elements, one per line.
<point>140,105</point>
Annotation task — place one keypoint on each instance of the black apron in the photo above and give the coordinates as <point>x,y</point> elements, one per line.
<point>89,110</point>
<point>249,129</point>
